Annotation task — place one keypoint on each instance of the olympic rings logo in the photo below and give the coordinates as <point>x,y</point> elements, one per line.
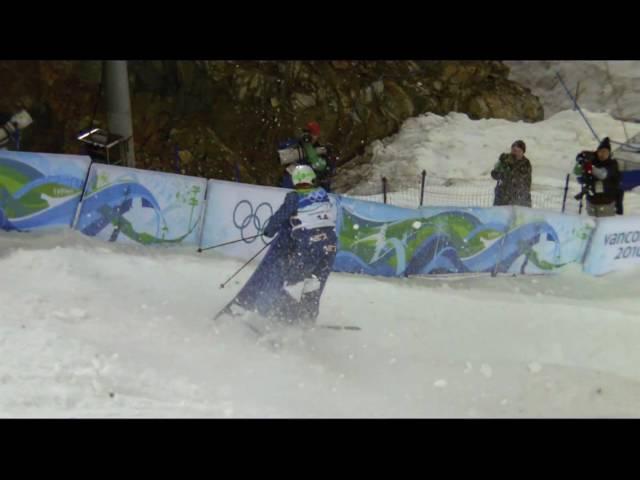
<point>245,218</point>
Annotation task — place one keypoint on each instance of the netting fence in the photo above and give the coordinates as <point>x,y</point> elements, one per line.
<point>429,191</point>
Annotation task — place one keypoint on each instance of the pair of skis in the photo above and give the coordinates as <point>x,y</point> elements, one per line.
<point>227,310</point>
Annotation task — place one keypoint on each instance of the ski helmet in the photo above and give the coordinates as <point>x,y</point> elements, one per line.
<point>303,175</point>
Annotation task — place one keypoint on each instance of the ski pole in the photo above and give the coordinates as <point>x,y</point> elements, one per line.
<point>248,262</point>
<point>228,243</point>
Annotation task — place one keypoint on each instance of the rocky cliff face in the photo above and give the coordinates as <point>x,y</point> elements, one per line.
<point>205,117</point>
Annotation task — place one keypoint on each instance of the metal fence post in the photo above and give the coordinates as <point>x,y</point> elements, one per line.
<point>384,189</point>
<point>566,190</point>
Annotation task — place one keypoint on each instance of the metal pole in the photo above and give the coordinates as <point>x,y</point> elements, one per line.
<point>566,190</point>
<point>200,250</point>
<point>119,106</point>
<point>384,189</point>
<point>177,159</point>
<point>577,107</point>
<point>424,176</point>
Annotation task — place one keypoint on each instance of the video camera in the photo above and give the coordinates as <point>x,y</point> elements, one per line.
<point>584,157</point>
<point>295,154</point>
<point>581,159</point>
<point>17,122</point>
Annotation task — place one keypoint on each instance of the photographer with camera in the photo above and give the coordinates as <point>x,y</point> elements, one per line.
<point>10,127</point>
<point>308,151</point>
<point>599,175</point>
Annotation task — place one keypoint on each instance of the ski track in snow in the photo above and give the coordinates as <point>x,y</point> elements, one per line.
<point>100,330</point>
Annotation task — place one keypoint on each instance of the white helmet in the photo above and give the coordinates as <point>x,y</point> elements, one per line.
<point>303,174</point>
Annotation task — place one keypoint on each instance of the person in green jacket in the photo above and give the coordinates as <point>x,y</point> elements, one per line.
<point>513,173</point>
<point>308,151</point>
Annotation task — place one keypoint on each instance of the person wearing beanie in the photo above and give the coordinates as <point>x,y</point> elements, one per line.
<point>600,174</point>
<point>513,175</point>
<point>605,144</point>
<point>307,150</point>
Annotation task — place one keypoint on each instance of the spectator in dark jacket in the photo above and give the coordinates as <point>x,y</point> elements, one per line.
<point>601,177</point>
<point>513,173</point>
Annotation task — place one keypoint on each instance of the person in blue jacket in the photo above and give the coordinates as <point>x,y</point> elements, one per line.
<point>308,217</point>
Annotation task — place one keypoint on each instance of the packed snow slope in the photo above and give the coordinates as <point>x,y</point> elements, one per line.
<point>458,153</point>
<point>455,146</point>
<point>91,329</point>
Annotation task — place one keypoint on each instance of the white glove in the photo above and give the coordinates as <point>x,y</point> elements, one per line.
<point>21,120</point>
<point>599,173</point>
<point>291,168</point>
<point>290,155</point>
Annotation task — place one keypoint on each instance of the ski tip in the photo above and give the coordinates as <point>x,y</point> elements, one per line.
<point>220,314</point>
<point>222,285</point>
<point>199,250</point>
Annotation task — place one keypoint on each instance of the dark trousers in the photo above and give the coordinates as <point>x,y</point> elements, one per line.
<point>620,202</point>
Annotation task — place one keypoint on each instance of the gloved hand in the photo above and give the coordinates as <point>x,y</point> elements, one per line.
<point>502,167</point>
<point>21,120</point>
<point>269,230</point>
<point>318,164</point>
<point>10,127</point>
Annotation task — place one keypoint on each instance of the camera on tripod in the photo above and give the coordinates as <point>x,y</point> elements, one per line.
<point>295,154</point>
<point>584,180</point>
<point>584,157</point>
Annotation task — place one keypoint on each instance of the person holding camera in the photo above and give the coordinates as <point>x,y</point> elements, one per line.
<point>307,151</point>
<point>513,173</point>
<point>10,127</point>
<point>600,177</point>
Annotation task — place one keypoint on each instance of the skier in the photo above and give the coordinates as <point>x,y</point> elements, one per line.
<point>308,217</point>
